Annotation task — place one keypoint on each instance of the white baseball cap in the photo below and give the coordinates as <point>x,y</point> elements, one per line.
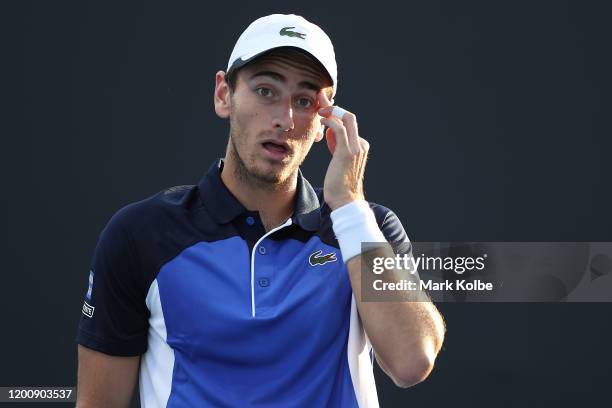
<point>284,30</point>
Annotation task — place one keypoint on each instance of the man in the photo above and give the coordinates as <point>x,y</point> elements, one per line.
<point>244,290</point>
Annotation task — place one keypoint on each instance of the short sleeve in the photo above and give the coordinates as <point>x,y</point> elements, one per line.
<point>114,316</point>
<point>395,234</point>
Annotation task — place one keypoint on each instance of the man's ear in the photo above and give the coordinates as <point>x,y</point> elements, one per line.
<point>222,96</point>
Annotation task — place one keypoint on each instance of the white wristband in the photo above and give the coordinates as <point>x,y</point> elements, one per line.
<point>353,224</point>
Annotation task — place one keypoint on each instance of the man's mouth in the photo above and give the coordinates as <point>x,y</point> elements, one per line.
<point>276,150</point>
<point>275,147</point>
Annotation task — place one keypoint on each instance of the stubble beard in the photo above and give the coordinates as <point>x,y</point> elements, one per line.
<point>251,176</point>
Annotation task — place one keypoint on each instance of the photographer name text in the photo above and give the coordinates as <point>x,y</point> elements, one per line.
<point>429,285</point>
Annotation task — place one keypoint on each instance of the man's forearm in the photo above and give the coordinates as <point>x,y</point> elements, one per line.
<point>406,335</point>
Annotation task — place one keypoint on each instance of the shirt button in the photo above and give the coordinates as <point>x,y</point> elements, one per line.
<point>250,220</point>
<point>262,250</point>
<point>264,282</point>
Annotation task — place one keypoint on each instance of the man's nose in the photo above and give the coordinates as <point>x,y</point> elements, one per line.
<point>283,116</point>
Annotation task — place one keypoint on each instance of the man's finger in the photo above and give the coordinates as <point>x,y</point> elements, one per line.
<point>350,123</point>
<point>330,138</point>
<point>347,119</point>
<point>340,133</point>
<point>323,100</point>
<point>326,111</point>
<point>365,148</point>
<point>338,112</point>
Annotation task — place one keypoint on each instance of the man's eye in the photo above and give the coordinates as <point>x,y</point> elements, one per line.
<point>264,91</point>
<point>304,102</point>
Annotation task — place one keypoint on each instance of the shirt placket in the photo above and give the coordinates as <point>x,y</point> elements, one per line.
<point>262,268</point>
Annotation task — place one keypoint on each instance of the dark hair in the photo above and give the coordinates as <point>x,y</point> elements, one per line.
<point>293,53</point>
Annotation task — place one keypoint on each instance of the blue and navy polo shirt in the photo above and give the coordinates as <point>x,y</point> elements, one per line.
<point>224,313</point>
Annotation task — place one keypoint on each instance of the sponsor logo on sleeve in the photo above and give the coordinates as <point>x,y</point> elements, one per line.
<point>88,310</point>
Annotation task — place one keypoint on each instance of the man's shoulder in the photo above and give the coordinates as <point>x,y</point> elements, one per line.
<point>388,222</point>
<point>140,216</point>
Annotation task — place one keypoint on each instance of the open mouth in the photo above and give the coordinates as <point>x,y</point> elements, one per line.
<point>276,151</point>
<point>275,147</point>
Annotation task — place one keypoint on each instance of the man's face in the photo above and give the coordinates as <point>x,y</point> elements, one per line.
<point>273,117</point>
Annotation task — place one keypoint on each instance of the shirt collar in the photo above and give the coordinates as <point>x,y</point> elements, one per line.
<point>224,207</point>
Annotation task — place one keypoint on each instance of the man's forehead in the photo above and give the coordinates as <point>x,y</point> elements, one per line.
<point>285,69</point>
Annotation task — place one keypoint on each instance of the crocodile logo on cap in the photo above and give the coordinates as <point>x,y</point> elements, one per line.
<point>286,32</point>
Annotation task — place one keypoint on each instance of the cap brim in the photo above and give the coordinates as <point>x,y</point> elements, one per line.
<point>242,61</point>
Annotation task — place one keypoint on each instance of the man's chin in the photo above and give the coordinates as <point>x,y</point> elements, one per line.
<point>273,172</point>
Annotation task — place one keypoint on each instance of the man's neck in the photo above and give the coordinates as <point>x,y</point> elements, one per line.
<point>275,203</point>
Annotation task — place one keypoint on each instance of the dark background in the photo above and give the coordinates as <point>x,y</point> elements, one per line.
<point>488,121</point>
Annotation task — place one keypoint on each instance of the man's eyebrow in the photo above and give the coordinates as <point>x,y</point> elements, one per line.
<point>278,77</point>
